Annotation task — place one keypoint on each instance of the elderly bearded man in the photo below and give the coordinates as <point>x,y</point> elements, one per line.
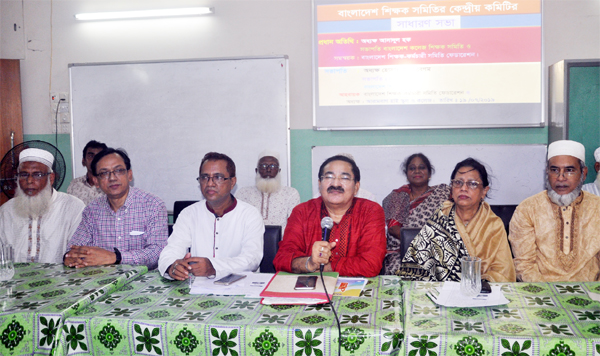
<point>129,226</point>
<point>223,234</point>
<point>594,187</point>
<point>38,221</point>
<point>357,243</point>
<point>275,202</point>
<point>554,234</point>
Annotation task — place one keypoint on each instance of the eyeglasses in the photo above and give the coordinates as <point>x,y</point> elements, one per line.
<point>34,175</point>
<point>119,172</point>
<point>472,184</point>
<point>264,166</point>
<point>567,172</point>
<point>217,178</point>
<point>330,178</point>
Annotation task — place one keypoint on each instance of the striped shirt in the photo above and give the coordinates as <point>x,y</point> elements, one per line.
<point>138,229</point>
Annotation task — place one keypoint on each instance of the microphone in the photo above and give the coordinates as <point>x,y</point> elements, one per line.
<point>326,225</point>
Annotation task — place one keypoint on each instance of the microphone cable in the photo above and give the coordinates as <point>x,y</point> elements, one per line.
<point>334,313</point>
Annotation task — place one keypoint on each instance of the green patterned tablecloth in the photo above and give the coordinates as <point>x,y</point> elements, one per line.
<point>541,319</point>
<point>35,302</point>
<point>154,316</point>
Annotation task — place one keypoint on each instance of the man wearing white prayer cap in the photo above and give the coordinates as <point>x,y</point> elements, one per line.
<point>555,234</point>
<point>274,201</point>
<point>594,187</point>
<point>38,221</point>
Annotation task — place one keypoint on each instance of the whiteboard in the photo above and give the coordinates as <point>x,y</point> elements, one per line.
<point>517,171</point>
<point>167,115</point>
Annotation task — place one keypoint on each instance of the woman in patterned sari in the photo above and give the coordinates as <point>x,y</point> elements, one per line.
<point>463,226</point>
<point>410,205</point>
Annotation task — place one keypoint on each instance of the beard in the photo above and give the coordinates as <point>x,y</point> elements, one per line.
<point>565,199</point>
<point>37,205</point>
<point>268,185</point>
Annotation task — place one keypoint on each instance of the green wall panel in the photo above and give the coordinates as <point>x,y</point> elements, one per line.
<point>584,112</point>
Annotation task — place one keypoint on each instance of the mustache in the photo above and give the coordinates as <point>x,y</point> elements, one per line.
<point>334,188</point>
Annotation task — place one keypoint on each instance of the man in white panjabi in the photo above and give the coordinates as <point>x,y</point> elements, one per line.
<point>38,221</point>
<point>594,187</point>
<point>274,201</point>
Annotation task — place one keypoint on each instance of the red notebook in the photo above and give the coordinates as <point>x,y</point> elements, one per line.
<point>283,283</point>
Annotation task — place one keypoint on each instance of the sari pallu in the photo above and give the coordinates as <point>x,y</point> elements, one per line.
<point>434,255</point>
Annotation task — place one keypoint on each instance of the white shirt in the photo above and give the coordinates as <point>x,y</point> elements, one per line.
<point>593,187</point>
<point>41,240</point>
<point>275,208</point>
<point>232,243</point>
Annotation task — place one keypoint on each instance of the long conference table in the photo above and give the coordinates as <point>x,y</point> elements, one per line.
<point>149,315</point>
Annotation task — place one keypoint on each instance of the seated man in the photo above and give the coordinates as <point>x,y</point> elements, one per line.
<point>38,221</point>
<point>594,187</point>
<point>275,202</point>
<point>129,226</point>
<point>83,187</point>
<point>554,234</point>
<point>357,241</point>
<point>222,234</point>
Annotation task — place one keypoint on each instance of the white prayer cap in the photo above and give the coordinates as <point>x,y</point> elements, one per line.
<point>597,154</point>
<point>566,148</point>
<point>268,153</point>
<point>36,155</point>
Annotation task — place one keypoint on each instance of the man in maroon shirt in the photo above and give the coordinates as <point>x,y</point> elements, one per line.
<point>357,242</point>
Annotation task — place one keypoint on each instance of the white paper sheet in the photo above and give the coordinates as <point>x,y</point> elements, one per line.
<point>450,296</point>
<point>249,287</point>
<point>594,296</point>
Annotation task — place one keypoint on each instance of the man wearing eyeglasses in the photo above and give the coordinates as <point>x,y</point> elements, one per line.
<point>129,226</point>
<point>274,201</point>
<point>218,235</point>
<point>357,242</point>
<point>555,234</point>
<point>38,221</point>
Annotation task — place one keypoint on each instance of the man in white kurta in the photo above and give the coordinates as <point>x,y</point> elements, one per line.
<point>594,187</point>
<point>39,221</point>
<point>274,201</point>
<point>222,234</point>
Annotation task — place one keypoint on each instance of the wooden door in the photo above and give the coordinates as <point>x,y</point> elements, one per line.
<point>11,114</point>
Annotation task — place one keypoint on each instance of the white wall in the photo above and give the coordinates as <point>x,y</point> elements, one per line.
<point>237,28</point>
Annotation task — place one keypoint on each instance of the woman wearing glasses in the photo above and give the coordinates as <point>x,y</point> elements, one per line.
<point>464,226</point>
<point>410,205</point>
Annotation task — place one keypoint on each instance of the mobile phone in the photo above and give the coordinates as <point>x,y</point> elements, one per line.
<point>229,279</point>
<point>306,282</point>
<point>485,287</point>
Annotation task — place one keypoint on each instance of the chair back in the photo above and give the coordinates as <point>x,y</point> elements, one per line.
<point>406,237</point>
<point>272,237</point>
<point>179,206</point>
<point>504,212</point>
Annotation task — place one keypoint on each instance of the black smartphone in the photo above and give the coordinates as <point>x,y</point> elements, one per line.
<point>306,282</point>
<point>485,287</point>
